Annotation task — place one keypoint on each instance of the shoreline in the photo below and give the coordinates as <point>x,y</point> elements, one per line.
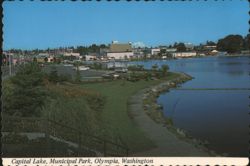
<point>160,130</point>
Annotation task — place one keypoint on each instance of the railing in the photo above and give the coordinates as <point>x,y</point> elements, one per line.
<point>66,134</point>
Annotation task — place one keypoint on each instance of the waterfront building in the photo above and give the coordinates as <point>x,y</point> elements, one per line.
<point>155,51</point>
<point>44,57</point>
<point>90,57</point>
<point>77,55</point>
<point>209,48</point>
<point>120,51</point>
<point>184,54</point>
<point>214,52</point>
<point>171,50</point>
<point>189,46</point>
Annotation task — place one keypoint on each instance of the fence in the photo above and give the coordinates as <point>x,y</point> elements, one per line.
<point>84,142</point>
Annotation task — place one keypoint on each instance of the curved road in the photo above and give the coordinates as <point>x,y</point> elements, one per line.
<point>167,142</point>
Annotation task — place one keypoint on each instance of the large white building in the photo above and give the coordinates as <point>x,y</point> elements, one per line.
<point>120,51</point>
<point>155,51</point>
<point>184,54</point>
<point>72,54</point>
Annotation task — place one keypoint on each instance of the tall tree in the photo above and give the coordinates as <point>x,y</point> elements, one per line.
<point>28,93</point>
<point>247,42</point>
<point>211,43</point>
<point>231,44</point>
<point>180,47</point>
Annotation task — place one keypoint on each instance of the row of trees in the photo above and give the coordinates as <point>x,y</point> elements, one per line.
<point>230,44</point>
<point>83,50</point>
<point>234,43</point>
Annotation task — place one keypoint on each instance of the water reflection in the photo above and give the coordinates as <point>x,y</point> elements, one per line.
<point>220,117</point>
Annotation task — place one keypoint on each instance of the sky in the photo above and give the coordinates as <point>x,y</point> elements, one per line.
<point>30,25</point>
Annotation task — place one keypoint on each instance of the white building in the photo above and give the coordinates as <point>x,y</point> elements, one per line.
<point>90,57</point>
<point>72,54</point>
<point>184,54</point>
<point>120,51</point>
<point>171,50</point>
<point>120,55</point>
<point>155,51</point>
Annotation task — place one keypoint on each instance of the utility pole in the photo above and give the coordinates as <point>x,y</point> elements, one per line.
<point>10,65</point>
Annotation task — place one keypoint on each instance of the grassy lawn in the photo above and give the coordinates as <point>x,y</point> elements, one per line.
<point>99,109</point>
<point>115,113</point>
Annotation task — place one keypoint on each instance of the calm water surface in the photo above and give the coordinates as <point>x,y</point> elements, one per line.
<point>217,116</point>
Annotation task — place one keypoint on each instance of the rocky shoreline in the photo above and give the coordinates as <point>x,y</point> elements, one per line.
<point>155,112</point>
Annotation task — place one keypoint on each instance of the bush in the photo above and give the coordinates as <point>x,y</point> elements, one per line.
<point>53,75</point>
<point>133,77</point>
<point>64,78</point>
<point>164,69</point>
<point>147,76</point>
<point>136,68</point>
<point>14,138</point>
<point>26,90</point>
<point>97,66</point>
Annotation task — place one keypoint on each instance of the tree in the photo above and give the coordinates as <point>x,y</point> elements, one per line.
<point>231,44</point>
<point>155,67</point>
<point>164,69</point>
<point>163,52</point>
<point>247,42</point>
<point>28,93</point>
<point>46,59</point>
<point>180,47</point>
<point>210,43</point>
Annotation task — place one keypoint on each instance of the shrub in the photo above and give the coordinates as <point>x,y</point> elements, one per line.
<point>64,78</point>
<point>53,75</point>
<point>26,90</point>
<point>136,68</point>
<point>164,69</point>
<point>14,138</point>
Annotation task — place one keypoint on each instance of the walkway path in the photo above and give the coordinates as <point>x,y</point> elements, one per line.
<point>167,143</point>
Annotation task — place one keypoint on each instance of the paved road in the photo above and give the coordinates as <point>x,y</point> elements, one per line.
<point>167,143</point>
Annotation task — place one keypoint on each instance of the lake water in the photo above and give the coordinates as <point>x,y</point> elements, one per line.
<point>217,116</point>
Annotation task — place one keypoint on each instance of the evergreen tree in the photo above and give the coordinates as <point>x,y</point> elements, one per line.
<point>27,92</point>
